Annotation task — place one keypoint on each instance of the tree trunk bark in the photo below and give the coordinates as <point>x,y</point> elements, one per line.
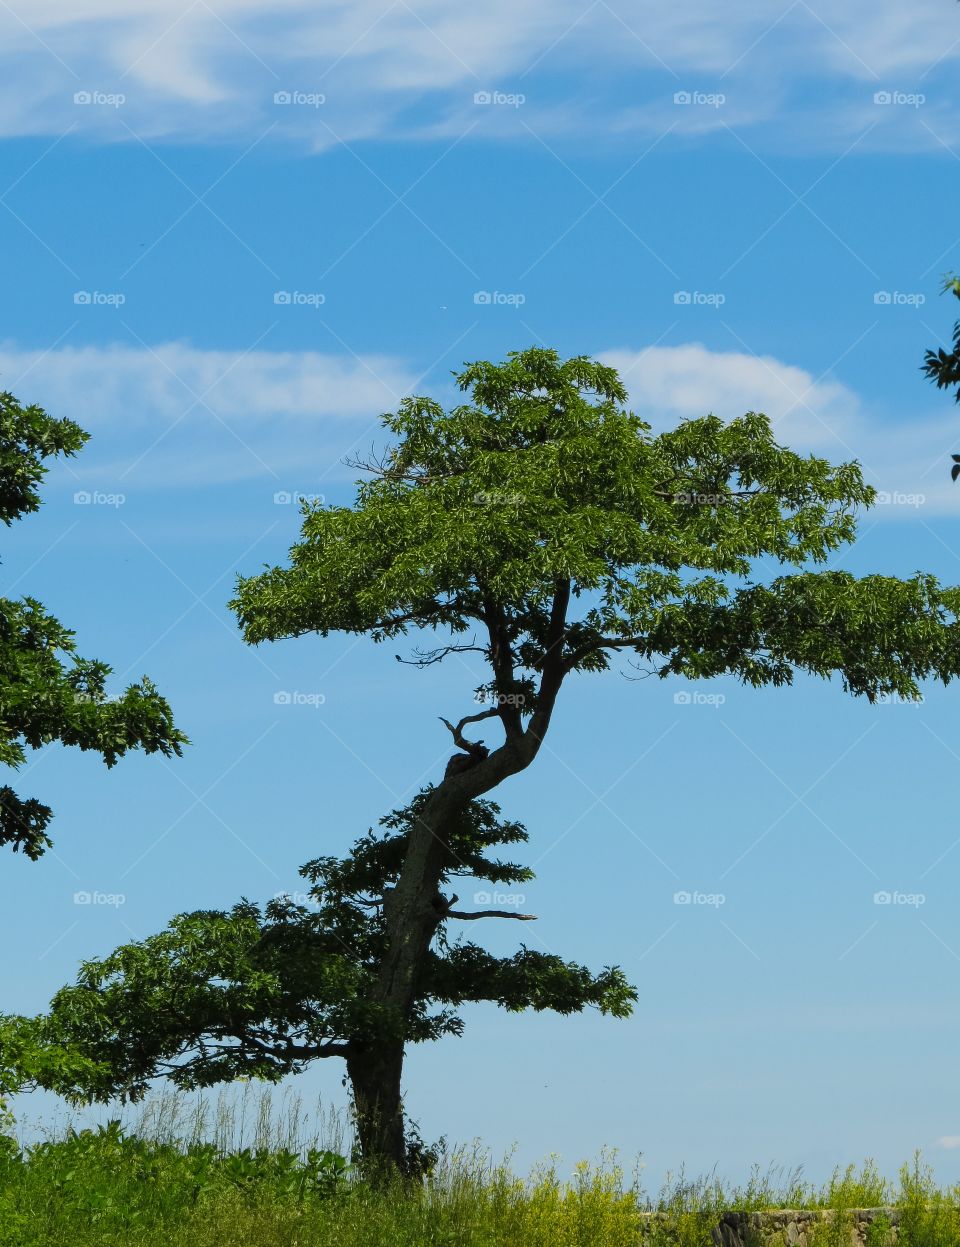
<point>412,920</point>
<point>375,1074</point>
<point>409,911</point>
<point>411,917</point>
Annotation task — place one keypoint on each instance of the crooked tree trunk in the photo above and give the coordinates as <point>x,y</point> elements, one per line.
<point>409,911</point>
<point>375,1069</point>
<point>411,916</point>
<point>412,921</point>
<point>375,1075</point>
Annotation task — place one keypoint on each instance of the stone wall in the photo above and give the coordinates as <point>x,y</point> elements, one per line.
<point>793,1228</point>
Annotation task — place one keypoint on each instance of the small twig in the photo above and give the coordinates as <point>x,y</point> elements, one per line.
<point>426,658</point>
<point>383,468</point>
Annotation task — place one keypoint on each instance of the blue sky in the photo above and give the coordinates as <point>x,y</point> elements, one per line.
<point>232,236</point>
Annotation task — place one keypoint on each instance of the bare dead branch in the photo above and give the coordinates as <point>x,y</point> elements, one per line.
<point>383,468</point>
<point>458,739</point>
<point>426,658</point>
<point>490,913</point>
<point>645,672</point>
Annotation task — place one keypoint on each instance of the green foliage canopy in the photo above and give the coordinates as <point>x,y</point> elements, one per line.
<point>548,517</point>
<point>262,992</point>
<point>47,692</point>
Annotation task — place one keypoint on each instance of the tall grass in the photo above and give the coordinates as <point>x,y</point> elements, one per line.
<point>255,1118</point>
<point>251,1172</point>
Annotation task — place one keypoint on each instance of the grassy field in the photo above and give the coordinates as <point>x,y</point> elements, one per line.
<point>200,1183</point>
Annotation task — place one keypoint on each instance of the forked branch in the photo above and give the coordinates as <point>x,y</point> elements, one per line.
<point>469,746</point>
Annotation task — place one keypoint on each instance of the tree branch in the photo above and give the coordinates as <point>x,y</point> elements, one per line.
<point>283,1047</point>
<point>502,661</point>
<point>384,470</point>
<point>489,913</point>
<point>426,658</point>
<point>433,611</point>
<point>443,907</point>
<point>469,746</point>
<point>553,668</point>
<point>606,642</point>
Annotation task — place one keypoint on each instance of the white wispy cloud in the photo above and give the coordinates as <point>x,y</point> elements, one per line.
<point>207,71</point>
<point>173,413</point>
<point>668,383</point>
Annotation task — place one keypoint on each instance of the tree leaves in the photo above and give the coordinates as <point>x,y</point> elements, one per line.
<point>28,436</point>
<point>544,479</point>
<point>47,691</point>
<point>943,367</point>
<point>262,992</point>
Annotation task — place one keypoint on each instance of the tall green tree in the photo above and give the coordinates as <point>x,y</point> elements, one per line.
<point>263,992</point>
<point>545,527</point>
<point>47,692</point>
<point>542,525</point>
